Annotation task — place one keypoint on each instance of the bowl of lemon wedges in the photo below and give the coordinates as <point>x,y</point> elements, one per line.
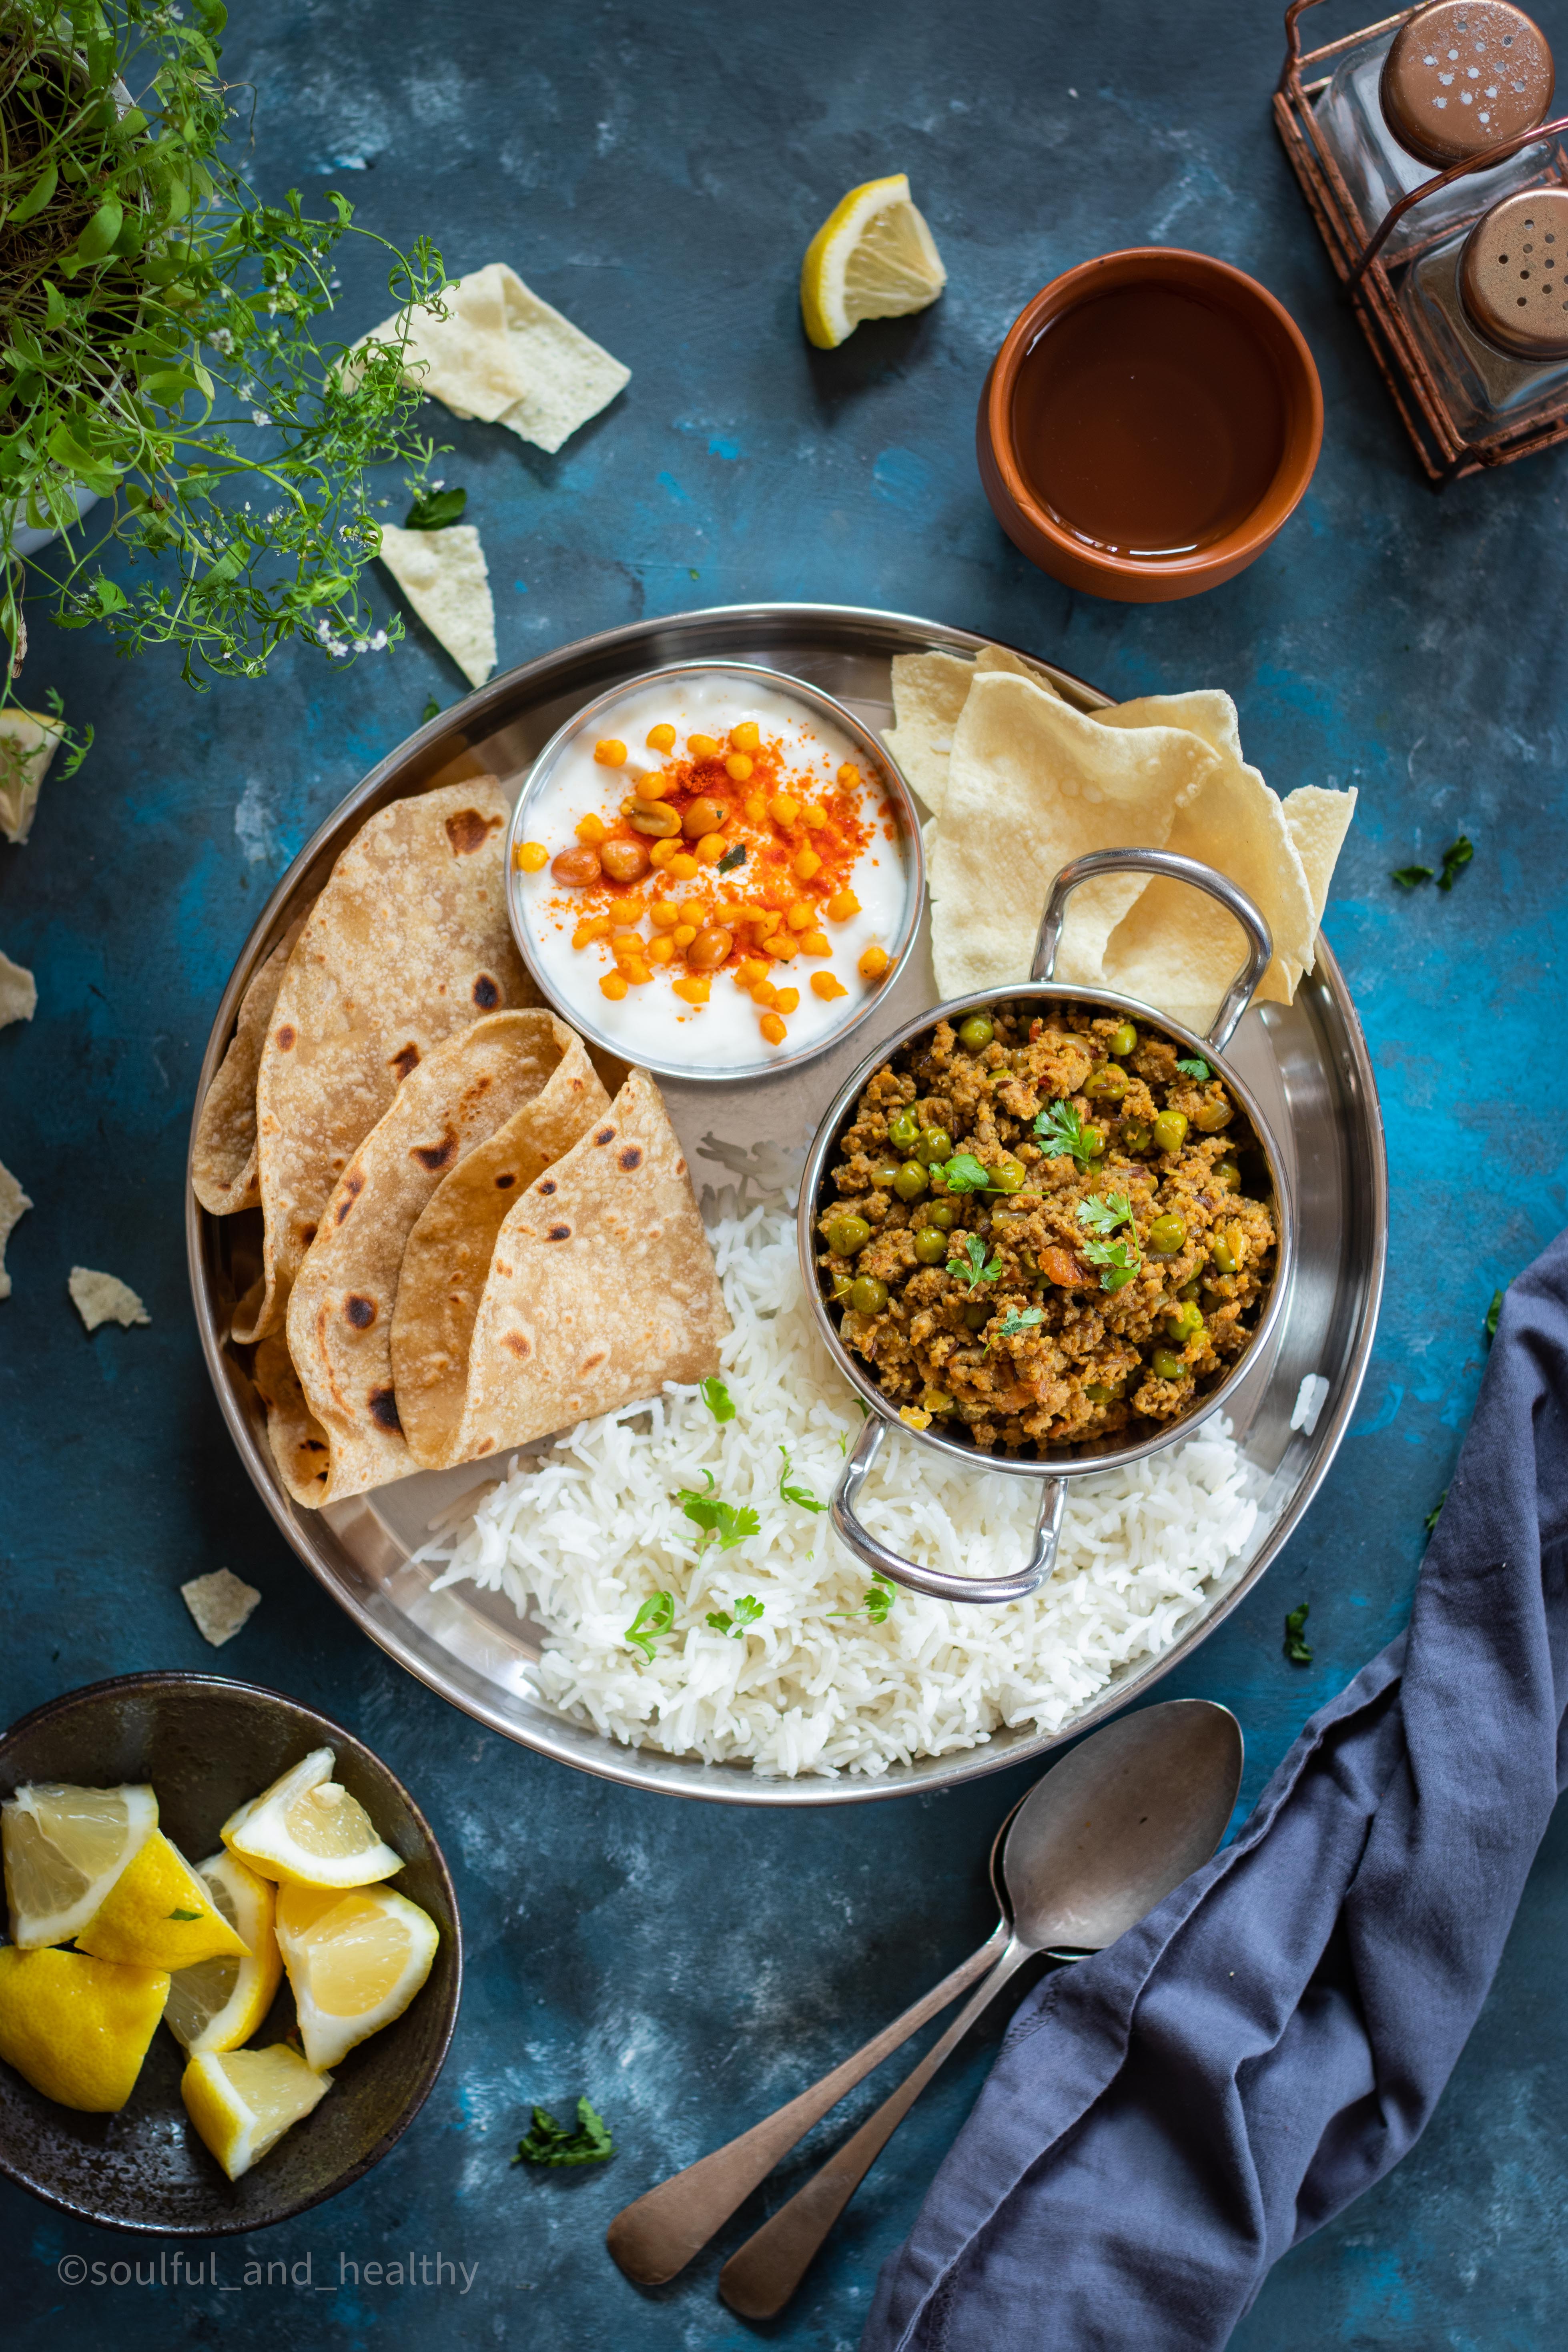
<point>234,1957</point>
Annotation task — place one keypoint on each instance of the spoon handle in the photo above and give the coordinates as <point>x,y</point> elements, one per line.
<point>656,2236</point>
<point>758,2281</point>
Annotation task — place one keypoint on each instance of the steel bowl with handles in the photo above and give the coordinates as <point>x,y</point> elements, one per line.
<point>1050,1471</point>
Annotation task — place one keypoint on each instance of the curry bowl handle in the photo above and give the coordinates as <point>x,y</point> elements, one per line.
<point>936,1581</point>
<point>1175,868</point>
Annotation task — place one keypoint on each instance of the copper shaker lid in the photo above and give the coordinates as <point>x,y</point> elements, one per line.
<point>1463,74</point>
<point>1514,275</point>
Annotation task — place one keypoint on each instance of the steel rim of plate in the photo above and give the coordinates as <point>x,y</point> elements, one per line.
<point>911,857</point>
<point>413,764</point>
<point>1044,992</point>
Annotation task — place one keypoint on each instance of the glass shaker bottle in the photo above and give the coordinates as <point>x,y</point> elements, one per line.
<point>1454,78</point>
<point>1489,309</point>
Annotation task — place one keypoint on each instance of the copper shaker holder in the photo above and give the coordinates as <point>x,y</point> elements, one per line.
<point>1355,251</point>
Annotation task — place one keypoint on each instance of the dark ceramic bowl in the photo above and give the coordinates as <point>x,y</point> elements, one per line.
<point>206,1744</point>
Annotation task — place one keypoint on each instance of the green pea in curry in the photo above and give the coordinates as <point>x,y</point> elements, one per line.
<point>1047,1232</point>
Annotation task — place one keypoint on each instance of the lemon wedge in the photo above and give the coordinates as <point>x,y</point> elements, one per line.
<point>217,2005</point>
<point>64,1849</point>
<point>77,2027</point>
<point>873,257</point>
<point>354,1961</point>
<point>159,1914</point>
<point>309,1831</point>
<point>243,2101</point>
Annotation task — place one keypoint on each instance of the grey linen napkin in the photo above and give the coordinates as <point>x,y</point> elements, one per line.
<point>1165,2119</point>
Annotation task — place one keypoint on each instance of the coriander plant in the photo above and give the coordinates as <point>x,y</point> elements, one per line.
<point>159,347</point>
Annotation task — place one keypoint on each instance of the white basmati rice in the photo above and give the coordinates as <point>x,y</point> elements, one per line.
<point>581,1534</point>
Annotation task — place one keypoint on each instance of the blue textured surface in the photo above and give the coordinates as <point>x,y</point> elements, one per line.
<point>656,174</point>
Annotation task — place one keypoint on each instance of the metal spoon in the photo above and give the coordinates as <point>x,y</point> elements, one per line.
<point>1126,1817</point>
<point>656,2236</point>
<point>653,2239</point>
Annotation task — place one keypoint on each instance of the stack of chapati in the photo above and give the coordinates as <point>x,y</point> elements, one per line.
<point>467,1242</point>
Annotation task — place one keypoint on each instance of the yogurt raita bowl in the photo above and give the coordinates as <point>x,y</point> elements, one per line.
<point>714,871</point>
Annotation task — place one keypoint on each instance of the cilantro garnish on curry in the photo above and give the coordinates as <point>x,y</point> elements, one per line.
<point>1048,1230</point>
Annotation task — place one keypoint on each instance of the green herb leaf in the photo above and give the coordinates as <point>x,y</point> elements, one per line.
<point>549,2142</point>
<point>1407,876</point>
<point>717,1517</point>
<point>1105,1215</point>
<point>1119,1260</point>
<point>972,1267</point>
<point>1061,1131</point>
<point>186,1915</point>
<point>880,1595</point>
<point>1458,856</point>
<point>717,1398</point>
<point>747,1612</point>
<point>656,1616</point>
<point>1493,1311</point>
<point>1195,1068</point>
<point>801,1494</point>
<point>1435,1513</point>
<point>1013,1322</point>
<point>963,1173</point>
<point>1296,1649</point>
<point>432,710</point>
<point>436,509</point>
<point>731,859</point>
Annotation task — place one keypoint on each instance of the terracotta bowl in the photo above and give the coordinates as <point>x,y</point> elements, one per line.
<point>1132,580</point>
<point>206,1744</point>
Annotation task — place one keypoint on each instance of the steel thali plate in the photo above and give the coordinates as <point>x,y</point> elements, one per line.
<point>1307,1062</point>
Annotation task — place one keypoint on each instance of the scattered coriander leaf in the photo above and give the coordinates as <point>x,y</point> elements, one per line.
<point>1061,1131</point>
<point>1493,1311</point>
<point>1014,1322</point>
<point>1407,876</point>
<point>436,509</point>
<point>184,1915</point>
<point>721,1621</point>
<point>1195,1068</point>
<point>972,1267</point>
<point>1105,1215</point>
<point>656,1616</point>
<point>731,859</point>
<point>549,2142</point>
<point>717,1398</point>
<point>1456,856</point>
<point>1435,1512</point>
<point>748,1610</point>
<point>731,1524</point>
<point>1296,1648</point>
<point>1118,1262</point>
<point>432,710</point>
<point>801,1494</point>
<point>880,1595</point>
<point>963,1173</point>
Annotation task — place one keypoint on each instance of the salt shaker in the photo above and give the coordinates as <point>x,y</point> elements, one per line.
<point>1452,79</point>
<point>1488,309</point>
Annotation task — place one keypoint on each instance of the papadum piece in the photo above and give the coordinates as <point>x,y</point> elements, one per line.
<point>407,943</point>
<point>506,356</point>
<point>929,690</point>
<point>600,1287</point>
<point>14,1207</point>
<point>525,1073</point>
<point>221,1604</point>
<point>104,1298</point>
<point>1032,784</point>
<point>223,1164</point>
<point>28,742</point>
<point>445,577</point>
<point>18,991</point>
